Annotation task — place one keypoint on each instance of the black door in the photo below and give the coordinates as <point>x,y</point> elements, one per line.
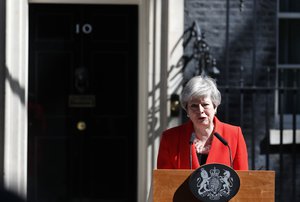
<point>82,107</point>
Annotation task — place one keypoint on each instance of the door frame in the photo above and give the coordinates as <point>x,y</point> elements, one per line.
<point>156,53</point>
<point>16,89</point>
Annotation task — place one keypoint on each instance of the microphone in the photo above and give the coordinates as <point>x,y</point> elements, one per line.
<point>193,136</point>
<point>226,144</point>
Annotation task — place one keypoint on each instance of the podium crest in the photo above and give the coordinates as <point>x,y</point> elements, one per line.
<point>214,182</point>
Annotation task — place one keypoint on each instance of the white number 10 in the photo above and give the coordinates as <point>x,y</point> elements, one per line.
<point>86,28</point>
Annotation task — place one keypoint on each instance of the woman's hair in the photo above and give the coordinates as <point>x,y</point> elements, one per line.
<point>200,86</point>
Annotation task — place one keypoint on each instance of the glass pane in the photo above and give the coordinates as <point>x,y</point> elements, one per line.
<point>289,50</point>
<point>289,6</point>
<point>290,95</point>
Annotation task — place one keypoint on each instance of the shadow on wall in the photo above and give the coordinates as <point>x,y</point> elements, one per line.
<point>8,196</point>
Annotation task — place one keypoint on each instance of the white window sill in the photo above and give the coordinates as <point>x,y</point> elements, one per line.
<point>287,136</point>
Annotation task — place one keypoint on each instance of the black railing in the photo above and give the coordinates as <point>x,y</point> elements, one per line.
<point>261,110</point>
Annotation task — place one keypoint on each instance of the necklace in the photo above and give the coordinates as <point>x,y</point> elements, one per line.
<point>203,147</point>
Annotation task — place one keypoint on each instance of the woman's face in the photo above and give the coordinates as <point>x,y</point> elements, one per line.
<point>201,111</point>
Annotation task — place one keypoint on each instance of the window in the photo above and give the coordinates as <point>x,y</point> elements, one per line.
<point>288,50</point>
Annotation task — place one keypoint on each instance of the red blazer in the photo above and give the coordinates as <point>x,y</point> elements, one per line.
<point>174,150</point>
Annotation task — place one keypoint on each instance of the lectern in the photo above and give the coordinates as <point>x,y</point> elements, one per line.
<point>172,186</point>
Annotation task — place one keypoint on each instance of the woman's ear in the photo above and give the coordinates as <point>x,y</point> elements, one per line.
<point>216,110</point>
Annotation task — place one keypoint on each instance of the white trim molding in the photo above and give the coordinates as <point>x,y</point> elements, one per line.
<point>16,79</point>
<point>134,2</point>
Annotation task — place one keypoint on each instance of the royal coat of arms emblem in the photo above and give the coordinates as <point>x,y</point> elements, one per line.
<point>214,182</point>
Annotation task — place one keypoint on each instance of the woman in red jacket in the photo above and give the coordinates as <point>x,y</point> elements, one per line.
<point>193,143</point>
